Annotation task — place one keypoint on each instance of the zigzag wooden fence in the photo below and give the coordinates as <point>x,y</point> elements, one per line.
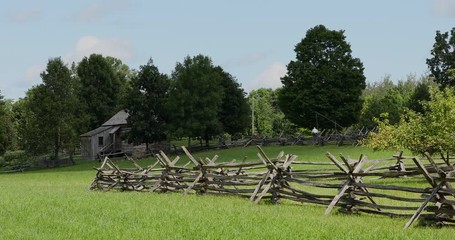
<point>391,187</point>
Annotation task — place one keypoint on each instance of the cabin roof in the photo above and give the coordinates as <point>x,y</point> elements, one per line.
<point>118,119</point>
<point>96,131</point>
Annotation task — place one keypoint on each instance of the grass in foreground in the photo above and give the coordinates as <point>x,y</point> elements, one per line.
<point>55,204</point>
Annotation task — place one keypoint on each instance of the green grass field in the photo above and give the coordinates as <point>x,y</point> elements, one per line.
<point>55,204</point>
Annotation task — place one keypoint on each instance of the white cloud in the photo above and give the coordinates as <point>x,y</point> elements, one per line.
<point>114,47</point>
<point>444,8</point>
<point>270,77</point>
<point>247,60</point>
<point>25,16</point>
<point>100,9</point>
<point>34,72</point>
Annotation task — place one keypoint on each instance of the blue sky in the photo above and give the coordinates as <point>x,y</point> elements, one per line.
<point>251,39</point>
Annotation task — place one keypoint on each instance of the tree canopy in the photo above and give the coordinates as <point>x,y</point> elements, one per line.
<point>195,98</point>
<point>48,112</point>
<point>442,62</point>
<point>100,90</point>
<point>146,105</point>
<point>7,133</point>
<point>204,100</point>
<point>427,132</point>
<point>268,118</point>
<point>235,111</point>
<point>324,80</point>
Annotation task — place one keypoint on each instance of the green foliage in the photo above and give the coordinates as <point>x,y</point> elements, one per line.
<point>421,95</point>
<point>146,101</point>
<point>235,111</point>
<point>393,99</point>
<point>47,116</point>
<point>442,61</point>
<point>323,79</point>
<point>195,98</point>
<point>14,160</point>
<point>429,132</point>
<point>268,118</point>
<point>99,91</point>
<point>7,131</point>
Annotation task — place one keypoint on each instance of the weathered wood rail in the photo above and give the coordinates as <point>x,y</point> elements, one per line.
<point>391,187</point>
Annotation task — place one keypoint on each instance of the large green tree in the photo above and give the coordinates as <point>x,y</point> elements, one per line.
<point>443,58</point>
<point>235,111</point>
<point>195,99</point>
<point>48,113</point>
<point>324,84</point>
<point>146,101</point>
<point>7,133</point>
<point>100,90</point>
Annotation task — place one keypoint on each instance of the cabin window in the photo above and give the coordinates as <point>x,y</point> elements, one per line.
<point>100,141</point>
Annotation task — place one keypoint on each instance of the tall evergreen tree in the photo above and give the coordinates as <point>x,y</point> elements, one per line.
<point>324,84</point>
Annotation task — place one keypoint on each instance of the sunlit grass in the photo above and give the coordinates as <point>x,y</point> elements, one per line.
<point>55,204</point>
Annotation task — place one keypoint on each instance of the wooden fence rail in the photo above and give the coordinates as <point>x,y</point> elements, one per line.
<point>391,187</point>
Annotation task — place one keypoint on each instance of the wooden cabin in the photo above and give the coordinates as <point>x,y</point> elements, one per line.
<point>108,139</point>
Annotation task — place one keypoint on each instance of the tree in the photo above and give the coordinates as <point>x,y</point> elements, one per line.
<point>235,111</point>
<point>146,101</point>
<point>195,99</point>
<point>428,132</point>
<point>384,97</point>
<point>124,75</point>
<point>48,112</point>
<point>7,133</point>
<point>268,118</point>
<point>443,58</point>
<point>420,95</point>
<point>99,91</point>
<point>324,80</point>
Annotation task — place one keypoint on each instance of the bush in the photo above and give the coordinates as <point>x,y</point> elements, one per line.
<point>432,131</point>
<point>15,160</point>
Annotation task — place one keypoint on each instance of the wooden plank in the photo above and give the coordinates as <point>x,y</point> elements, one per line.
<point>424,171</point>
<point>134,162</point>
<point>188,189</point>
<point>195,162</point>
<point>176,159</point>
<point>346,163</point>
<point>289,161</point>
<point>213,160</point>
<point>267,159</point>
<point>336,162</point>
<point>104,162</point>
<point>266,189</point>
<point>263,180</point>
<point>424,204</point>
<point>337,197</point>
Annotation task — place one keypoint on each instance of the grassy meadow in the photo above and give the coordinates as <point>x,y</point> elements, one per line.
<point>55,204</point>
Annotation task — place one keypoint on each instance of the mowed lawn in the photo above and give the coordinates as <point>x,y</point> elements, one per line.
<point>55,204</point>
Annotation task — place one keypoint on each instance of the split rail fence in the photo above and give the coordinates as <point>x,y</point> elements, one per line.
<point>391,187</point>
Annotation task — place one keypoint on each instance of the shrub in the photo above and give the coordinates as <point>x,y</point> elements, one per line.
<point>15,160</point>
<point>431,132</point>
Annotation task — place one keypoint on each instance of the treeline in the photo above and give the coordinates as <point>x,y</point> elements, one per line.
<point>324,87</point>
